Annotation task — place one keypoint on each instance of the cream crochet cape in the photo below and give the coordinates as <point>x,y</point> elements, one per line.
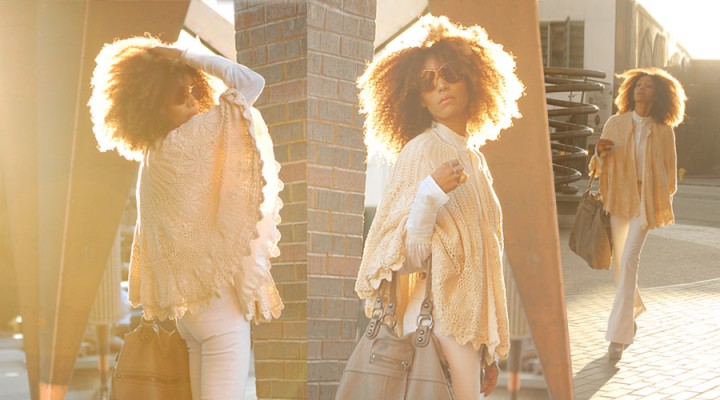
<point>618,175</point>
<point>467,245</point>
<point>208,207</point>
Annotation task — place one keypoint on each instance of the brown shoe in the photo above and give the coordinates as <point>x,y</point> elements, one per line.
<point>615,351</point>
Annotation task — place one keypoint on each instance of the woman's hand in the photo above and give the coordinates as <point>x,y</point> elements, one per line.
<point>450,175</point>
<point>167,52</point>
<point>490,377</point>
<point>604,145</point>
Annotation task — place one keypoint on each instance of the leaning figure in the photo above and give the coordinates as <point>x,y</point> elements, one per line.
<point>207,198</point>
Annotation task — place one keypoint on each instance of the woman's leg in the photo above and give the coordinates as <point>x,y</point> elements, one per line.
<point>464,361</point>
<point>193,358</point>
<point>620,227</point>
<point>223,336</point>
<point>465,367</point>
<point>627,304</point>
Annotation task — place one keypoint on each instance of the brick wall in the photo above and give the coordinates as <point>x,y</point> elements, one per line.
<point>271,39</point>
<point>340,41</point>
<point>310,53</point>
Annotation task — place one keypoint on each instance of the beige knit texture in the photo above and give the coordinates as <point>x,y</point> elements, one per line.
<point>200,193</point>
<point>467,245</point>
<point>618,173</point>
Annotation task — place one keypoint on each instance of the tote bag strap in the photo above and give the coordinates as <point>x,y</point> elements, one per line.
<point>383,311</point>
<point>390,307</point>
<point>593,176</point>
<point>425,318</point>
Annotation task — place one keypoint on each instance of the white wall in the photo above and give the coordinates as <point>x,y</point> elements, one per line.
<point>599,17</point>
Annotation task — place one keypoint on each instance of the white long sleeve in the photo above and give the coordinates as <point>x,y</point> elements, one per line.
<point>248,82</point>
<point>421,222</point>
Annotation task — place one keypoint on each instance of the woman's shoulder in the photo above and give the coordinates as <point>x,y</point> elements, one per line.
<point>661,127</point>
<point>198,130</point>
<point>423,142</point>
<point>619,119</point>
<point>417,154</point>
<point>616,123</point>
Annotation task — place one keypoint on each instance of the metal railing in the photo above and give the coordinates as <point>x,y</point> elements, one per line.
<point>566,132</point>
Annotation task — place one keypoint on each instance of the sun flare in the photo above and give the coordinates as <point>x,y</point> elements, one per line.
<point>693,23</point>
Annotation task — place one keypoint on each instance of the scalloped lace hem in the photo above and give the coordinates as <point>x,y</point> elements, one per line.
<point>266,306</point>
<point>373,281</point>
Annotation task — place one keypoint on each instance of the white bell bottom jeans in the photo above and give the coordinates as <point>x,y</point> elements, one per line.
<point>628,239</point>
<point>218,341</point>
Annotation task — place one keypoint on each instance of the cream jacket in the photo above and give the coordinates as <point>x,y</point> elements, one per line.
<point>619,178</point>
<point>467,244</point>
<point>208,207</point>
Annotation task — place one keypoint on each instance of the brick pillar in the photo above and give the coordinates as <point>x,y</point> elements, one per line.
<point>310,53</point>
<point>271,39</point>
<point>340,41</point>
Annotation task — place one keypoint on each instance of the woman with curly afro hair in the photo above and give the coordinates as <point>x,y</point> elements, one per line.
<point>636,161</point>
<point>207,196</point>
<point>429,108</point>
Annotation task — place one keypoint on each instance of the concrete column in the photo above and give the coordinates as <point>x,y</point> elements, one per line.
<point>18,159</point>
<point>64,198</point>
<point>521,164</point>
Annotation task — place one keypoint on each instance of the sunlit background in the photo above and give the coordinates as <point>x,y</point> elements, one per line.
<point>692,22</point>
<point>680,35</point>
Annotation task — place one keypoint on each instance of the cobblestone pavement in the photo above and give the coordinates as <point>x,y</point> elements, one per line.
<point>676,354</point>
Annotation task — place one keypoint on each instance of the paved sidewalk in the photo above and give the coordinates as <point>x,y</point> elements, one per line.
<point>701,180</point>
<point>676,354</point>
<point>13,376</point>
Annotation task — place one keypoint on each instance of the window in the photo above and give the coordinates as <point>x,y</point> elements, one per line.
<point>563,43</point>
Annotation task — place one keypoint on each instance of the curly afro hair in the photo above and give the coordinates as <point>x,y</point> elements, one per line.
<point>390,97</point>
<point>669,105</point>
<point>131,88</point>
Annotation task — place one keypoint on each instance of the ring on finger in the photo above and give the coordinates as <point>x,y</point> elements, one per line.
<point>463,177</point>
